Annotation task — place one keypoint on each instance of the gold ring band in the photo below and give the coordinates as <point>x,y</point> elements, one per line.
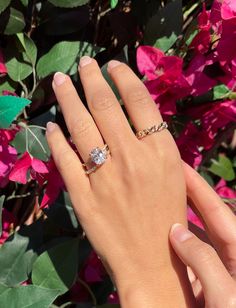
<point>153,129</point>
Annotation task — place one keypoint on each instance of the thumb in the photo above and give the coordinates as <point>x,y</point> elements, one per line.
<point>203,260</point>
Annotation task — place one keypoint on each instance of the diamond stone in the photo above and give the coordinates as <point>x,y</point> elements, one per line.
<point>98,156</point>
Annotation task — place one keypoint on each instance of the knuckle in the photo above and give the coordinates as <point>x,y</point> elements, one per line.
<point>205,253</point>
<point>120,69</point>
<point>64,159</point>
<point>231,301</point>
<point>102,100</point>
<point>81,127</point>
<point>139,96</point>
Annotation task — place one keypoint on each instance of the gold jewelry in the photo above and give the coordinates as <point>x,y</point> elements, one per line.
<point>97,157</point>
<point>153,129</point>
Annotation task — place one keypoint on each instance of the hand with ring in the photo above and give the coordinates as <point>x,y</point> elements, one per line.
<point>134,189</point>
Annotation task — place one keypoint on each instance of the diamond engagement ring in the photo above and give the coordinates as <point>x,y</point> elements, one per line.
<point>97,158</point>
<point>153,129</point>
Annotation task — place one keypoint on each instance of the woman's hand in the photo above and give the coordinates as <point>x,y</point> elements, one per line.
<point>215,270</point>
<point>128,204</point>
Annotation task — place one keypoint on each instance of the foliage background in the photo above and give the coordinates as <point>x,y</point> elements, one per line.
<point>45,259</point>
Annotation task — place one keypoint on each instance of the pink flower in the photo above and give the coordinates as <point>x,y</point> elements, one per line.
<point>202,40</point>
<point>193,218</point>
<point>3,69</point>
<point>147,59</point>
<point>227,45</point>
<point>93,270</point>
<point>200,83</point>
<point>8,221</point>
<point>224,191</point>
<point>188,146</point>
<point>23,165</point>
<point>213,117</point>
<point>166,82</point>
<point>228,9</point>
<point>54,184</point>
<point>113,298</point>
<point>8,157</point>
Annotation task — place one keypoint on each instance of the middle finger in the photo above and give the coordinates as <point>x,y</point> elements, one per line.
<point>104,106</point>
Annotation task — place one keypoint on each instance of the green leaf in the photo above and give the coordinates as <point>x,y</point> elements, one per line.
<point>16,22</point>
<point>2,198</point>
<point>37,143</point>
<point>25,2</point>
<point>62,56</point>
<point>26,296</point>
<point>68,4</point>
<point>29,47</point>
<point>18,65</point>
<point>57,267</point>
<point>113,3</point>
<point>163,28</point>
<point>223,168</point>
<point>16,258</point>
<point>207,177</point>
<point>220,91</point>
<point>4,4</point>
<point>10,107</point>
<point>7,84</point>
<point>18,70</point>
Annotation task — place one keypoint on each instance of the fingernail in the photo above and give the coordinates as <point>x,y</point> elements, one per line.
<point>85,60</point>
<point>112,64</point>
<point>180,233</point>
<point>59,78</point>
<point>50,126</point>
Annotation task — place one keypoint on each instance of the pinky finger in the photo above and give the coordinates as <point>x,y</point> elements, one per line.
<point>66,160</point>
<point>204,261</point>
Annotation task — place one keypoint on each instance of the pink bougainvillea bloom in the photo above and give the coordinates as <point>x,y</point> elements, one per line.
<point>215,16</point>
<point>113,298</point>
<point>188,146</point>
<point>6,92</point>
<point>93,269</point>
<point>228,9</point>
<point>54,184</point>
<point>213,116</point>
<point>193,218</point>
<point>166,82</point>
<point>3,69</point>
<point>8,221</point>
<point>204,19</point>
<point>227,45</point>
<point>200,83</point>
<point>224,191</point>
<point>23,165</point>
<point>8,157</point>
<point>202,40</point>
<point>7,135</point>
<point>147,59</point>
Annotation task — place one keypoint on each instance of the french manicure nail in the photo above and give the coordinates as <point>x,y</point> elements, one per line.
<point>85,60</point>
<point>50,126</point>
<point>112,64</point>
<point>59,78</point>
<point>180,233</point>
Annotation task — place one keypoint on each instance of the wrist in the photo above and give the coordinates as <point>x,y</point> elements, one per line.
<point>166,286</point>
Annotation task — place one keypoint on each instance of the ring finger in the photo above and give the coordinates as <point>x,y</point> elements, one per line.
<point>142,109</point>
